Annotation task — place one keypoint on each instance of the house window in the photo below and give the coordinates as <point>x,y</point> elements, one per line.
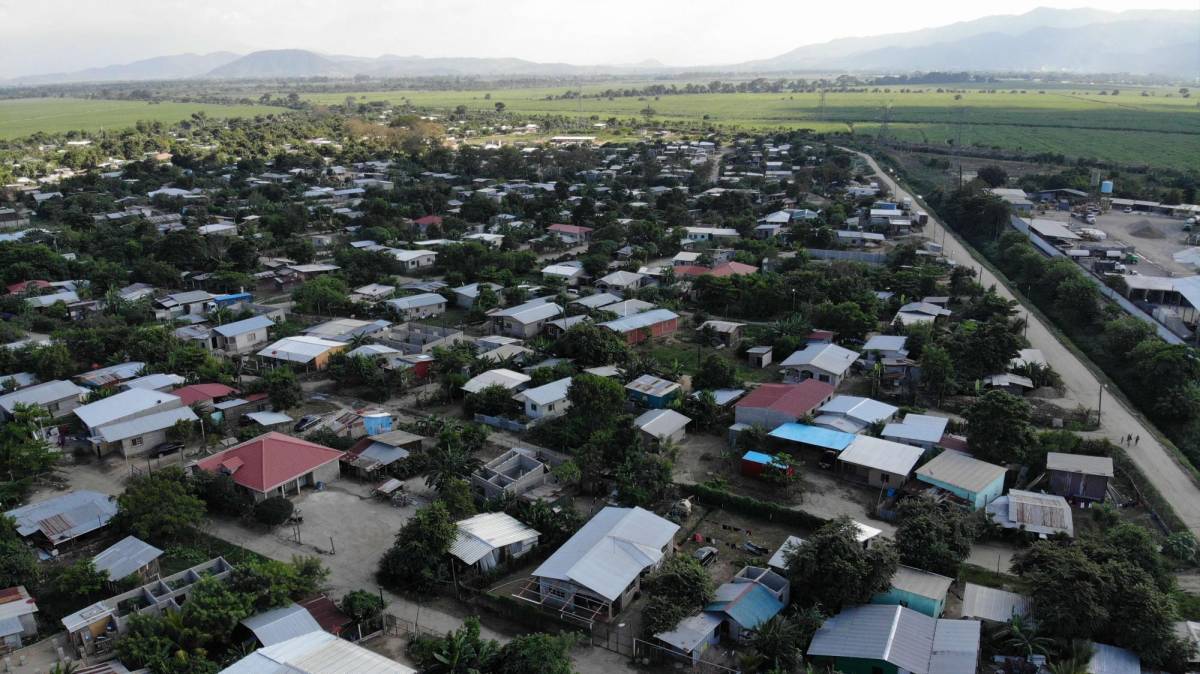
<point>533,406</point>
<point>136,442</point>
<point>884,478</point>
<point>550,407</point>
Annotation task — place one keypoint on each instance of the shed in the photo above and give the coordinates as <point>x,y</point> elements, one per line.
<point>1042,514</point>
<point>1078,476</point>
<point>659,426</point>
<point>280,624</point>
<point>489,539</point>
<point>757,463</point>
<point>918,590</point>
<point>692,636</point>
<point>63,518</point>
<point>127,557</point>
<point>744,606</point>
<point>976,482</point>
<point>993,604</point>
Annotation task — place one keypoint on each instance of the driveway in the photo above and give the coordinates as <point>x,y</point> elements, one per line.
<point>1081,384</point>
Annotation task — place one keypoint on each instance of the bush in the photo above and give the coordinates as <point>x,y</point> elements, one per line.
<point>273,511</point>
<point>752,507</point>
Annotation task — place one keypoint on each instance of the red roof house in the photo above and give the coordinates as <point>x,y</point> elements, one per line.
<point>425,222</point>
<point>772,405</point>
<point>202,393</point>
<point>723,269</point>
<point>274,464</point>
<point>26,286</point>
<point>571,233</point>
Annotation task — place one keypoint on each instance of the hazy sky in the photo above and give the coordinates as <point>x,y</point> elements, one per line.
<point>63,35</point>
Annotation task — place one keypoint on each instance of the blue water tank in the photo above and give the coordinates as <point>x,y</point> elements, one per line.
<point>1106,187</point>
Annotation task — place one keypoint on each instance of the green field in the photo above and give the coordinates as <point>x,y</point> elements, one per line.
<point>1130,128</point>
<point>25,116</point>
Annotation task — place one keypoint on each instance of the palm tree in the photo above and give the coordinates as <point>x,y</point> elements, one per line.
<point>1022,635</point>
<point>1077,661</point>
<point>448,462</point>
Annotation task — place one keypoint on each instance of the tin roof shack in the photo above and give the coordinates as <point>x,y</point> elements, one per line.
<point>895,640</point>
<point>17,622</point>
<point>918,590</point>
<point>274,464</point>
<point>692,636</point>
<point>279,624</point>
<point>771,405</point>
<point>659,427</point>
<point>93,630</point>
<point>1041,514</point>
<point>373,455</point>
<point>129,556</point>
<point>994,605</point>
<point>311,352</point>
<point>327,614</point>
<point>490,539</point>
<point>754,596</point>
<point>823,362</point>
<point>976,483</point>
<point>59,521</point>
<point>653,392</point>
<point>881,463</point>
<point>1077,476</point>
<point>644,326</point>
<point>317,652</point>
<point>597,571</point>
<point>58,398</point>
<point>514,472</point>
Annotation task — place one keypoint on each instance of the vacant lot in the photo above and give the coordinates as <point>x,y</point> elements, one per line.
<point>1154,129</point>
<point>25,116</point>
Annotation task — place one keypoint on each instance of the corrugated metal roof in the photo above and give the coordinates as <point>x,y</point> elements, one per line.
<point>955,647</point>
<point>690,632</point>
<point>828,357</point>
<point>661,423</point>
<point>652,386</point>
<point>82,511</point>
<point>610,550</point>
<point>316,653</point>
<point>866,410</point>
<point>479,535</point>
<point>498,377</point>
<point>546,393</point>
<point>894,634</point>
<point>883,455</point>
<point>642,320</point>
<point>40,394</point>
<point>921,583</point>
<point>416,301</point>
<point>959,470</point>
<point>812,435</point>
<point>280,624</point>
<point>125,557</point>
<point>299,349</point>
<point>1038,513</point>
<point>748,604</point>
<point>1108,659</point>
<point>151,422</point>
<point>243,326</point>
<point>918,428</point>
<point>269,418</point>
<point>989,603</point>
<point>1080,463</point>
<point>123,404</point>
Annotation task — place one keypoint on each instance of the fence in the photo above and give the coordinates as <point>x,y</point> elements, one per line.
<point>502,423</point>
<point>646,653</point>
<point>848,255</point>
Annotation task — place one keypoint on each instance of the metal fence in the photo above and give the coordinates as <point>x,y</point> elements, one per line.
<point>648,653</point>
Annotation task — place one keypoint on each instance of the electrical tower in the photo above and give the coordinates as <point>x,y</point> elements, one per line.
<point>821,106</point>
<point>887,117</point>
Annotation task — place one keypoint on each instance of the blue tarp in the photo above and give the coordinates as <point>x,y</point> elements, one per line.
<point>764,459</point>
<point>811,435</point>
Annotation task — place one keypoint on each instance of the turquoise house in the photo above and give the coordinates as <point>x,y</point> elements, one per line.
<point>922,591</point>
<point>976,483</point>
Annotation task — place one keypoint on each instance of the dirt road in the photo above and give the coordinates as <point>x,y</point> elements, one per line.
<point>1082,385</point>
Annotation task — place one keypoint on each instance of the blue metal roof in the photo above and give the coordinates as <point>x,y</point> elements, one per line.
<point>811,435</point>
<point>748,604</point>
<point>764,459</point>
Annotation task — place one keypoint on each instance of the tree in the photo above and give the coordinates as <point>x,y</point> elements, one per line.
<point>18,564</point>
<point>715,373</point>
<point>847,319</point>
<point>362,606</point>
<point>270,583</point>
<point>322,295</point>
<point>79,580</point>
<point>542,653</point>
<point>416,562</point>
<point>213,610</point>
<point>679,588</point>
<point>781,641</point>
<point>993,175</point>
<point>459,652</point>
<point>831,569</point>
<point>282,388</point>
<point>159,507</point>
<point>1022,635</point>
<point>998,428</point>
<point>937,371</point>
<point>449,461</point>
<point>273,511</point>
<point>590,345</point>
<point>493,401</point>
<point>602,398</point>
<point>456,494</point>
<point>932,537</point>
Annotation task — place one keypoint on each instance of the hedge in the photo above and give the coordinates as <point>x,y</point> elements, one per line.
<point>752,507</point>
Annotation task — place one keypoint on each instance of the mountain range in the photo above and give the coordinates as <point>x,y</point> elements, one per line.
<point>1054,40</point>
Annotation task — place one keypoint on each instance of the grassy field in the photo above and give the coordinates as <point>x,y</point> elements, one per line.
<point>25,116</point>
<point>1130,128</point>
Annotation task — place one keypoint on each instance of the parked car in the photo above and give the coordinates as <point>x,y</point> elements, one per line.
<point>164,448</point>
<point>306,422</point>
<point>1129,209</point>
<point>706,555</point>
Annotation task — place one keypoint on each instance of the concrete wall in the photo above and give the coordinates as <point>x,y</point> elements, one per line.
<point>148,442</point>
<point>893,597</point>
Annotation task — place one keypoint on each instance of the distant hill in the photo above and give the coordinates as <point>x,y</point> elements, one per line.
<point>1081,40</point>
<point>1056,40</point>
<point>178,66</point>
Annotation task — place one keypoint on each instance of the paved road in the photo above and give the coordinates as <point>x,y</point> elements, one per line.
<point>1082,386</point>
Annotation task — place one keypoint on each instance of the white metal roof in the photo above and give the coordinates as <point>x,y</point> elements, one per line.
<point>416,301</point>
<point>960,470</point>
<point>125,557</point>
<point>268,418</point>
<point>40,394</point>
<point>955,646</point>
<point>243,326</point>
<point>299,349</point>
<point>479,535</point>
<point>863,409</point>
<point>610,551</point>
<point>280,624</point>
<point>158,421</point>
<point>1043,514</point>
<point>989,603</point>
<point>884,455</point>
<point>1080,463</point>
<point>64,517</point>
<point>317,652</point>
<point>155,381</point>
<point>894,634</point>
<point>831,358</point>
<point>410,255</point>
<point>921,583</point>
<point>123,404</point>
<point>537,310</point>
<point>661,423</point>
<point>690,632</point>
<point>917,428</point>
<point>1108,659</point>
<point>499,377</point>
<point>1052,229</point>
<point>546,393</point>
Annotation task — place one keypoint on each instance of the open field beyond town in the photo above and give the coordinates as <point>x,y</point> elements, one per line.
<point>1128,128</point>
<point>26,116</point>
